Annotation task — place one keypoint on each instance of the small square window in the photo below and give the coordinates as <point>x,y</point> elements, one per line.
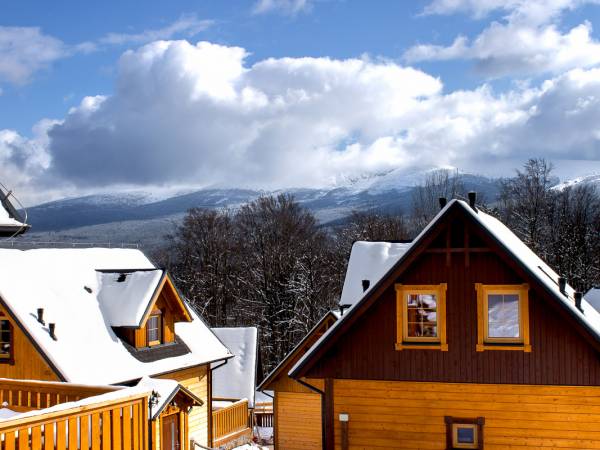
<point>464,435</point>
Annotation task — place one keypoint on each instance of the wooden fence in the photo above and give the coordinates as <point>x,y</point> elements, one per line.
<point>230,423</point>
<point>120,424</point>
<point>27,395</point>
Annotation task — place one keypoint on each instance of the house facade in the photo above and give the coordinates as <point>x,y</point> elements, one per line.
<point>109,317</point>
<point>468,340</point>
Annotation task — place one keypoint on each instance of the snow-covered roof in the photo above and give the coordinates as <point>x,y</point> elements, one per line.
<point>87,350</point>
<point>124,297</point>
<point>588,316</point>
<point>593,297</point>
<point>237,378</point>
<point>369,261</point>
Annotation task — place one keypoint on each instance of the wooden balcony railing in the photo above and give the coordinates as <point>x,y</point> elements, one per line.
<point>22,395</point>
<point>229,422</point>
<point>118,424</point>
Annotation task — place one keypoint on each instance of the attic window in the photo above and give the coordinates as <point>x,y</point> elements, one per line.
<point>421,317</point>
<point>503,317</point>
<point>154,329</point>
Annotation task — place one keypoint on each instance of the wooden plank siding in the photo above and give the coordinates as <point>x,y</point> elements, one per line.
<point>410,415</point>
<point>195,379</point>
<point>297,421</point>
<point>28,364</point>
<point>560,354</point>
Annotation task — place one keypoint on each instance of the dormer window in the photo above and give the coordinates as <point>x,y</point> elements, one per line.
<point>154,328</point>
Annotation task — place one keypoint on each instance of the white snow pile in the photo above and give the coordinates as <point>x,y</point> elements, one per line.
<point>369,261</point>
<point>237,378</point>
<point>124,297</point>
<point>65,283</point>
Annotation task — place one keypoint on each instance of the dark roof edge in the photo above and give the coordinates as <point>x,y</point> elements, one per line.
<point>279,367</point>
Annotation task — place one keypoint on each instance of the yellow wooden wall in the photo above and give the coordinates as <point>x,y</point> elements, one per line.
<point>410,415</point>
<point>297,421</point>
<point>196,380</point>
<point>29,364</point>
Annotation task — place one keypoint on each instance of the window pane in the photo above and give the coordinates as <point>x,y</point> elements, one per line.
<point>503,316</point>
<point>465,435</point>
<point>5,338</point>
<point>421,315</point>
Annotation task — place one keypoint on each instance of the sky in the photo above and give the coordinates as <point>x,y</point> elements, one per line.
<point>113,95</point>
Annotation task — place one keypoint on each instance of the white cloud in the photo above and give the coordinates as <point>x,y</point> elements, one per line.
<point>187,26</point>
<point>527,42</point>
<point>199,115</point>
<point>26,50</point>
<point>291,7</point>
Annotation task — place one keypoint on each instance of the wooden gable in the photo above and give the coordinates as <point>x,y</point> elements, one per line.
<point>458,251</point>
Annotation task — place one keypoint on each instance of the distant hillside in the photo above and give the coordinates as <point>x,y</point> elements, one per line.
<point>143,219</point>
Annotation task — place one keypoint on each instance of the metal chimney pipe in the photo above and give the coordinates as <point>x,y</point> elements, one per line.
<point>51,329</point>
<point>562,284</point>
<point>578,297</point>
<point>40,316</point>
<point>366,284</point>
<point>472,199</point>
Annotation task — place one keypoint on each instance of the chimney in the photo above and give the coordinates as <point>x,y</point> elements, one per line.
<point>562,284</point>
<point>443,202</point>
<point>344,307</point>
<point>366,284</point>
<point>40,316</point>
<point>472,199</point>
<point>51,329</point>
<point>578,297</point>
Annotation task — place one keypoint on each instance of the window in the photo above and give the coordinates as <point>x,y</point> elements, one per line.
<point>6,340</point>
<point>154,329</point>
<point>464,433</point>
<point>503,317</point>
<point>421,317</point>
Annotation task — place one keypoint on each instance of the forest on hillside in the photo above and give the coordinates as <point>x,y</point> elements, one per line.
<point>270,264</point>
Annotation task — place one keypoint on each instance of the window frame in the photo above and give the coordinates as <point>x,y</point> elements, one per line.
<point>484,341</point>
<point>155,314</point>
<point>452,425</point>
<point>403,341</point>
<point>10,358</point>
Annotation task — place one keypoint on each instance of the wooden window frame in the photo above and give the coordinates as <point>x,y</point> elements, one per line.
<point>158,315</point>
<point>422,343</point>
<point>10,358</point>
<point>484,342</point>
<point>452,425</point>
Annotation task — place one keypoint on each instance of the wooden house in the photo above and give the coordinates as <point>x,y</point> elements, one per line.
<point>297,418</point>
<point>109,317</point>
<point>468,340</point>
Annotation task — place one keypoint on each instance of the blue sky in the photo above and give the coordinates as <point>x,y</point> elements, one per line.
<point>389,85</point>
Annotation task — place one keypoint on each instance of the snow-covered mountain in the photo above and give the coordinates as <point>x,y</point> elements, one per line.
<point>592,179</point>
<point>139,216</point>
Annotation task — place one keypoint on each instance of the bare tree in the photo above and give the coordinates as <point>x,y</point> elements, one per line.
<point>439,183</point>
